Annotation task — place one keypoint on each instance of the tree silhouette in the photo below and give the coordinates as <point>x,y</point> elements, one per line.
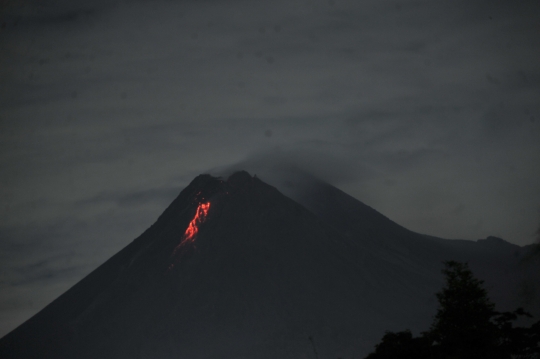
<point>465,326</point>
<point>402,345</point>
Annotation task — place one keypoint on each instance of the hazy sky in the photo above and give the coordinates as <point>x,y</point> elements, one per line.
<point>428,111</point>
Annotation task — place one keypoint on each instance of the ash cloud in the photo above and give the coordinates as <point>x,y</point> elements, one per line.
<point>282,164</point>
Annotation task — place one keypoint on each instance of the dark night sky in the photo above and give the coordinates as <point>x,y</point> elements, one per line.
<point>427,111</point>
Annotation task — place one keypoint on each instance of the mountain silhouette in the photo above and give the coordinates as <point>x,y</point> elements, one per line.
<point>236,269</point>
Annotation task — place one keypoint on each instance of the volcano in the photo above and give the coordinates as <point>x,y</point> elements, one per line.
<point>237,269</point>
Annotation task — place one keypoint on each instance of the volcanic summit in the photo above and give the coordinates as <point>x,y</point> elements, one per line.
<point>236,269</point>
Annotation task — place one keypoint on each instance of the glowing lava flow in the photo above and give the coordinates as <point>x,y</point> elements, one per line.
<point>193,228</point>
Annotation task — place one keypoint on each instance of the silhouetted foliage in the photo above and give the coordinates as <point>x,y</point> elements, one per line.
<point>462,325</point>
<point>401,345</point>
<point>465,326</point>
<point>517,342</point>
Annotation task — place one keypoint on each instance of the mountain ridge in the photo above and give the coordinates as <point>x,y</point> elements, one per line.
<point>264,272</point>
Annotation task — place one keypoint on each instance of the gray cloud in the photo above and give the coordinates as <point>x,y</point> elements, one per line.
<point>163,196</point>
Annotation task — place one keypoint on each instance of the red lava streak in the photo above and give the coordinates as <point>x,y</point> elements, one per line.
<point>193,228</point>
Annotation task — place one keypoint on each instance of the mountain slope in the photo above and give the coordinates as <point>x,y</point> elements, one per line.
<point>236,269</point>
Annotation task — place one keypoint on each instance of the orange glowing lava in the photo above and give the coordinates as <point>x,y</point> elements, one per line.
<point>193,227</point>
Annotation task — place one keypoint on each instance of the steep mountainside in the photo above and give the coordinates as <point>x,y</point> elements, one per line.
<point>235,269</point>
